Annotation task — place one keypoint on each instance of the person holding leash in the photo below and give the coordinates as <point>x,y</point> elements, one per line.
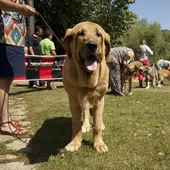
<point>120,57</point>
<point>12,63</point>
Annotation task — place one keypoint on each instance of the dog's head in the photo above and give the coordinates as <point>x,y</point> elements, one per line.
<point>88,44</point>
<point>146,69</point>
<point>136,66</point>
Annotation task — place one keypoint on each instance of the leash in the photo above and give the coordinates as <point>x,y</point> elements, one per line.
<point>50,29</point>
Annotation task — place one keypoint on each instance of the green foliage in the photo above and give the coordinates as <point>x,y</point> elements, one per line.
<point>113,16</point>
<point>166,37</point>
<point>157,40</point>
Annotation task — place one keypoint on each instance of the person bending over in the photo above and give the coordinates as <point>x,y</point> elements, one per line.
<point>120,57</point>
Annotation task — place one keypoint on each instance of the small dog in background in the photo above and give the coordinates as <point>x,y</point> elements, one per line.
<point>127,76</point>
<point>151,74</point>
<point>163,73</point>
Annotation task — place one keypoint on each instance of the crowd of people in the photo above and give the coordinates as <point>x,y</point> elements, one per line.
<point>121,57</point>
<point>40,43</point>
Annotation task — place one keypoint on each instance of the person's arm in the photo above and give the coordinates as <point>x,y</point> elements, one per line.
<point>31,51</point>
<point>127,66</point>
<point>149,51</point>
<point>30,45</point>
<point>14,7</point>
<point>53,52</point>
<point>53,49</point>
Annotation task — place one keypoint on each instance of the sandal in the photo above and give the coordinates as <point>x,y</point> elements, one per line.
<point>14,123</point>
<point>17,131</point>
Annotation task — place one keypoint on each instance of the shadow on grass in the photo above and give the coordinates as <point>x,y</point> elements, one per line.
<point>20,85</point>
<point>109,93</point>
<point>27,91</point>
<point>53,136</point>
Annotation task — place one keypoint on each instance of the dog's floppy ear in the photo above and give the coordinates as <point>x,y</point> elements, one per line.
<point>67,40</point>
<point>107,44</point>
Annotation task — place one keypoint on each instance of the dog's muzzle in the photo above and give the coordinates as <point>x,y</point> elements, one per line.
<point>91,46</point>
<point>91,59</point>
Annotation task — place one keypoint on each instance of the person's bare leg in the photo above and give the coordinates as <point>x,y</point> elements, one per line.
<point>4,95</point>
<point>5,84</point>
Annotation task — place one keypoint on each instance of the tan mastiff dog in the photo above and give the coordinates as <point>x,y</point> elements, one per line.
<point>85,78</point>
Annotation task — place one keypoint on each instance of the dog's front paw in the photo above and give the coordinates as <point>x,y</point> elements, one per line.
<point>100,147</point>
<point>159,86</point>
<point>147,87</point>
<point>73,146</point>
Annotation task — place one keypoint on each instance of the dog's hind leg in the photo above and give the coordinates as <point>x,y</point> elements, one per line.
<point>86,123</point>
<point>160,78</point>
<point>154,81</point>
<point>147,82</point>
<point>159,84</point>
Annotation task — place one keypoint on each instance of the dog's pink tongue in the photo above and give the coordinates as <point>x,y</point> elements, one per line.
<point>91,65</point>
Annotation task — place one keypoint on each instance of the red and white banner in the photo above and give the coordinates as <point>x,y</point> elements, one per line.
<point>43,67</point>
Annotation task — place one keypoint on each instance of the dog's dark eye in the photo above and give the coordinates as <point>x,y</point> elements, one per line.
<point>98,34</point>
<point>81,33</point>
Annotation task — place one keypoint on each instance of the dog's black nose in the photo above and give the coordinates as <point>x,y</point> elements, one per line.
<point>92,45</point>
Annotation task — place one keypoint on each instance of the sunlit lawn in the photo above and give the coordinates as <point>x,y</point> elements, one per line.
<point>137,131</point>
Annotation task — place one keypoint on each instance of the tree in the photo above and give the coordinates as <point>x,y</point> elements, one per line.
<point>157,39</point>
<point>113,16</point>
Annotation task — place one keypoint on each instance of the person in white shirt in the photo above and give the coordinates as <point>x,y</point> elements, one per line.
<point>146,52</point>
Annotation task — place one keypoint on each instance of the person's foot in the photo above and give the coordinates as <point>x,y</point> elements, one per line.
<point>118,93</point>
<point>8,129</point>
<point>48,88</point>
<point>14,123</point>
<point>34,86</point>
<point>53,85</point>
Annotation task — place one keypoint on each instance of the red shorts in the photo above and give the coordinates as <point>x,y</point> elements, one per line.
<point>146,62</point>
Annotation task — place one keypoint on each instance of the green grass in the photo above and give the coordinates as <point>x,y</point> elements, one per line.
<point>137,131</point>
